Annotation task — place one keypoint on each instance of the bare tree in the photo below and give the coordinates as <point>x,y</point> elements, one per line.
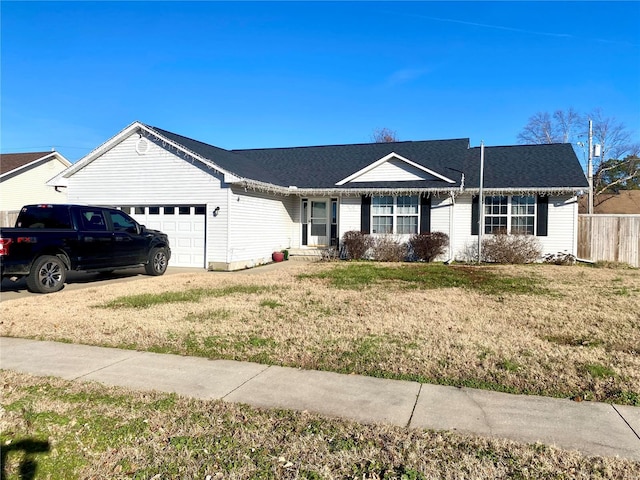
<point>544,128</point>
<point>615,167</point>
<point>384,135</point>
<point>566,123</point>
<point>538,130</point>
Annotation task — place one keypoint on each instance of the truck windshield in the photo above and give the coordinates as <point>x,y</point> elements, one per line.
<point>45,216</point>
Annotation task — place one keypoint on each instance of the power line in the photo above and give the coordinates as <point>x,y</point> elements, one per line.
<point>39,148</point>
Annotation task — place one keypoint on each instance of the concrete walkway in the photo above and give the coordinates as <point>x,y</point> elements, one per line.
<point>590,427</point>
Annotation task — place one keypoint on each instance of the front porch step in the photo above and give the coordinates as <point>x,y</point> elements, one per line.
<point>308,254</point>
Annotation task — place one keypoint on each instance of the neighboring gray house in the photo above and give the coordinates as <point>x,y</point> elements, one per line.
<point>230,209</point>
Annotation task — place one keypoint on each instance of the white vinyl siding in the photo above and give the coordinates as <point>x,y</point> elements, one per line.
<point>349,215</point>
<point>393,171</point>
<point>259,225</point>
<point>159,177</point>
<point>440,220</point>
<point>462,238</point>
<point>562,226</point>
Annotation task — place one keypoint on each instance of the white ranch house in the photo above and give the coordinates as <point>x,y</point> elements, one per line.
<point>231,209</point>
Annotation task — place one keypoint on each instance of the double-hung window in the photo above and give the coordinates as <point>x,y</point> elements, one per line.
<point>395,215</point>
<point>523,214</point>
<point>514,214</point>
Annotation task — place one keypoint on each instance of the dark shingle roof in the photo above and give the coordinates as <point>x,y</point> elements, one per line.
<point>324,166</point>
<point>232,162</point>
<point>12,161</point>
<point>526,166</point>
<point>321,167</point>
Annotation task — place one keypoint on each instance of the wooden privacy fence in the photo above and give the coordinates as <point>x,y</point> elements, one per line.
<point>8,218</point>
<point>614,238</point>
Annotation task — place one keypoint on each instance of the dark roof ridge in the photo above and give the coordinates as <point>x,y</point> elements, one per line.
<point>523,145</point>
<point>162,130</point>
<point>347,145</point>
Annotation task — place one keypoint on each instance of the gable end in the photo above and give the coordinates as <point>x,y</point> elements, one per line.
<point>395,168</point>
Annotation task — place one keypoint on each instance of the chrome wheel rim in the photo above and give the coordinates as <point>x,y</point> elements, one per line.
<point>160,262</point>
<point>50,274</point>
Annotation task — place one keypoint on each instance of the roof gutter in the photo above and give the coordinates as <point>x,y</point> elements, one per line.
<point>255,185</point>
<point>336,192</point>
<point>526,191</point>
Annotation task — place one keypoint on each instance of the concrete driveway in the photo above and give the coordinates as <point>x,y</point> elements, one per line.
<point>77,280</point>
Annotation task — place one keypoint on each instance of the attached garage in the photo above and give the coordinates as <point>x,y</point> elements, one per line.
<point>184,224</point>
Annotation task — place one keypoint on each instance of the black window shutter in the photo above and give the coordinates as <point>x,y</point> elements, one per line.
<point>425,214</point>
<point>365,215</point>
<point>542,216</point>
<point>475,214</point>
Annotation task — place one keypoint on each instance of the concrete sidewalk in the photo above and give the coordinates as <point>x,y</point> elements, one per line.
<point>589,427</point>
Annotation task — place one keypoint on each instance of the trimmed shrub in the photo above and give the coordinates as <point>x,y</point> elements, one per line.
<point>427,246</point>
<point>502,247</point>
<point>386,249</point>
<point>355,244</point>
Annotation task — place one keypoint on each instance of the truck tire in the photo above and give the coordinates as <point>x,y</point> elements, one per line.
<point>158,261</point>
<point>47,275</point>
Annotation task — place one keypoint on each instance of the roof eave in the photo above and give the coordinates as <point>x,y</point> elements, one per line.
<point>557,190</point>
<point>142,129</point>
<point>254,185</point>
<point>35,162</point>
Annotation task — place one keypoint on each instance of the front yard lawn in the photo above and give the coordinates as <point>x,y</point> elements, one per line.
<point>539,329</point>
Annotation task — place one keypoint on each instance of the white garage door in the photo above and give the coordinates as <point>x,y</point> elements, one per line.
<point>185,226</point>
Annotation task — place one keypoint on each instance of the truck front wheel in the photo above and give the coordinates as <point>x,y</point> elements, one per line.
<point>48,274</point>
<point>158,262</point>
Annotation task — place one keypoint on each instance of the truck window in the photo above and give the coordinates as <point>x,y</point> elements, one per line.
<point>122,222</point>
<point>44,216</point>
<point>93,219</point>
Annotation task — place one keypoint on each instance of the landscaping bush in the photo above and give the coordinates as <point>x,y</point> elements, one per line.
<point>469,253</point>
<point>355,244</point>
<point>502,247</point>
<point>386,249</point>
<point>427,246</point>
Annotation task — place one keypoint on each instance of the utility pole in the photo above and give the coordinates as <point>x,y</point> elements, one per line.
<point>590,167</point>
<point>481,202</point>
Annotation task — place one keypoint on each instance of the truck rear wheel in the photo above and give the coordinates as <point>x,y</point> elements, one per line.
<point>48,274</point>
<point>158,262</point>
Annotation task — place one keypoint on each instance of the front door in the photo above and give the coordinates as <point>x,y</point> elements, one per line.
<point>318,223</point>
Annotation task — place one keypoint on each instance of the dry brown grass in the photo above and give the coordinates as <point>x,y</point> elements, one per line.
<point>582,338</point>
<point>97,432</point>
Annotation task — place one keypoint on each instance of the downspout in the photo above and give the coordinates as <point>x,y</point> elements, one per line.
<point>451,226</point>
<point>229,251</point>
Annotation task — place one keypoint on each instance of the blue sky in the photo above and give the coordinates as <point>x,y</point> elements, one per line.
<point>264,74</point>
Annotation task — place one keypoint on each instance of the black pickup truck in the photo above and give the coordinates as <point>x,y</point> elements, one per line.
<point>48,240</point>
